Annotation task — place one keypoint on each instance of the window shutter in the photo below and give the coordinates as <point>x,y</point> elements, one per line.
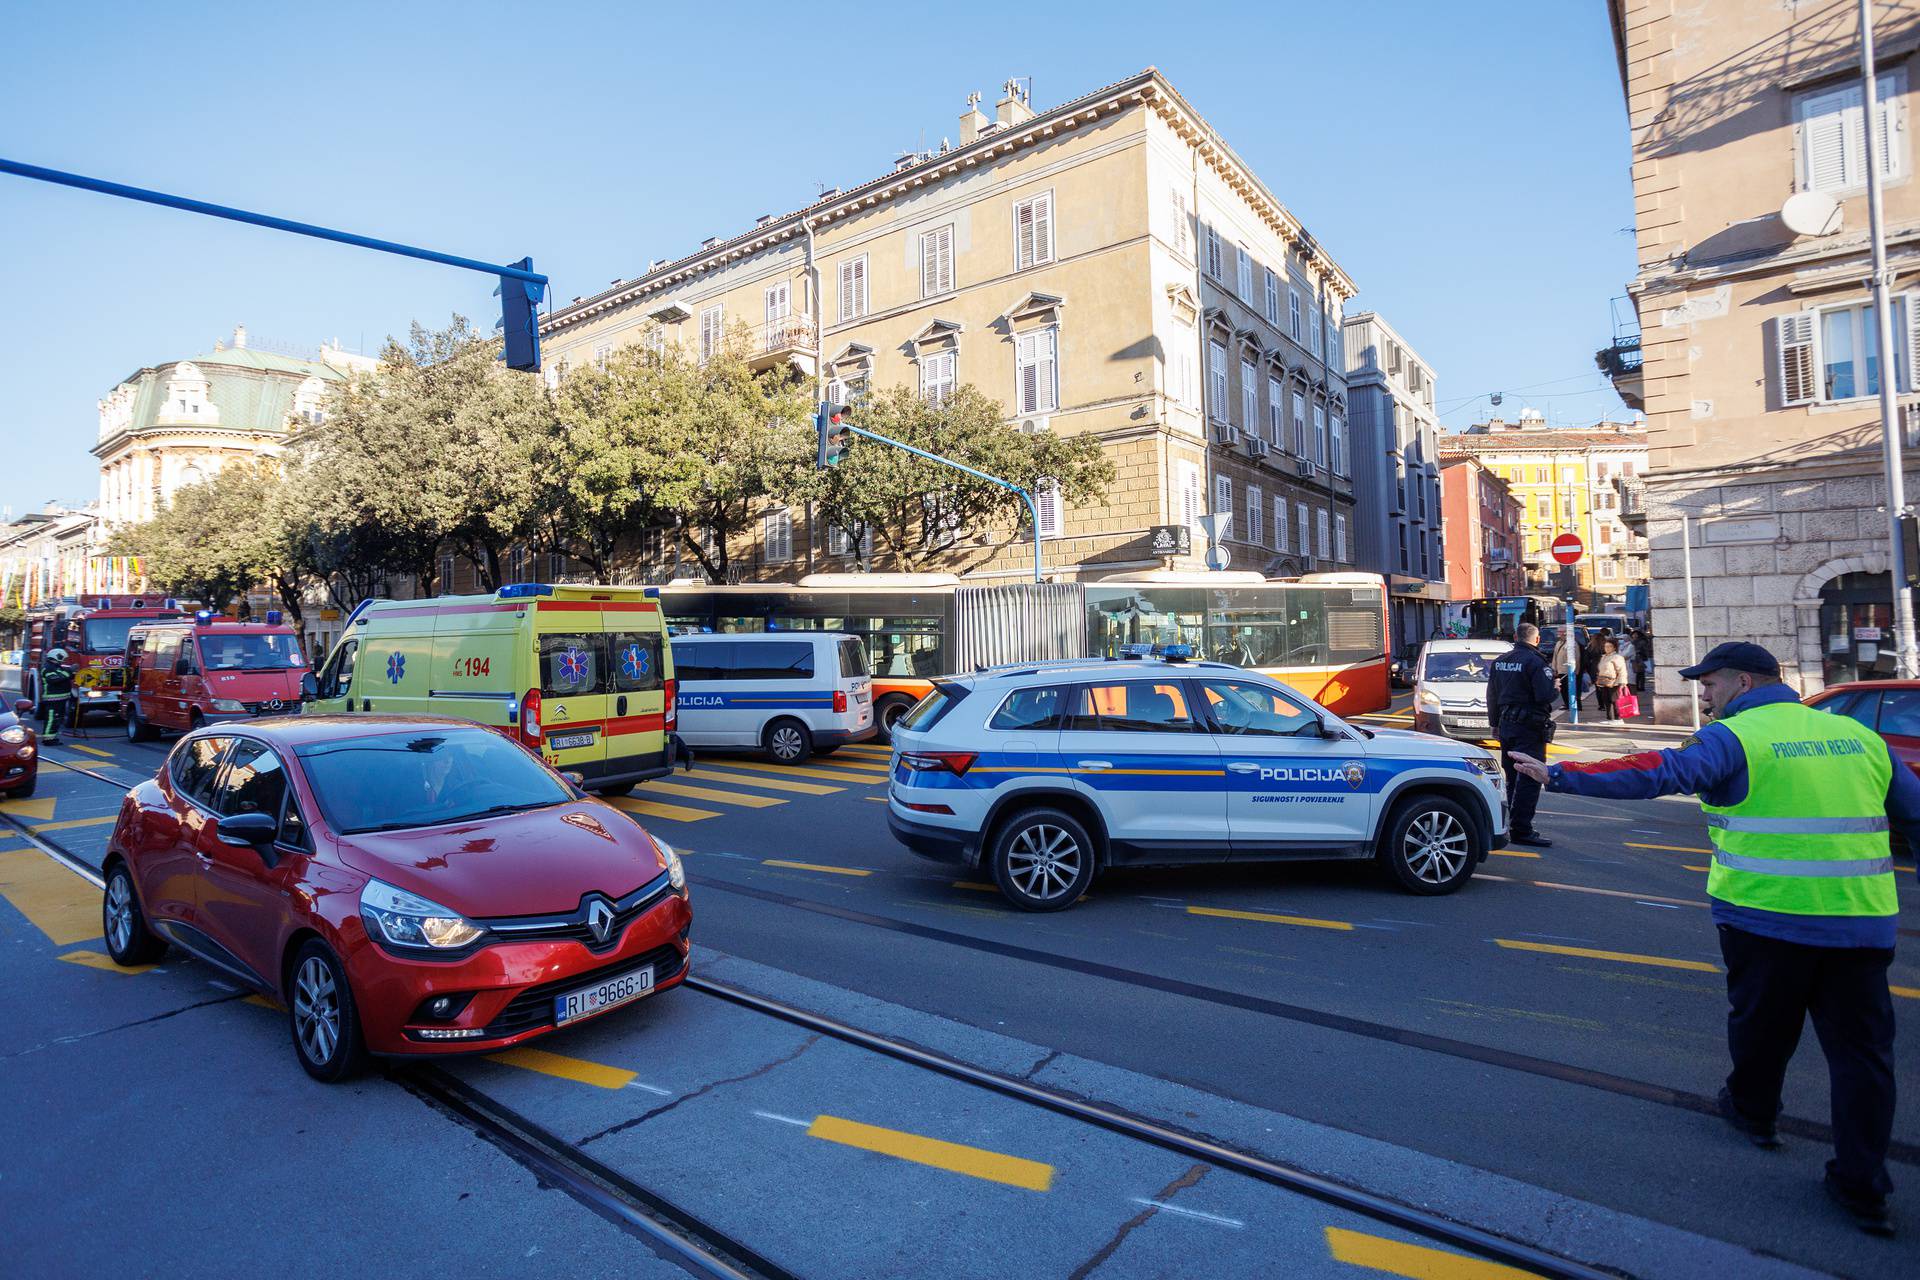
<point>1793,343</point>
<point>1023,254</point>
<point>1276,414</point>
<point>1249,399</point>
<point>1320,526</point>
<point>1279,524</point>
<point>1306,547</point>
<point>1189,494</point>
<point>945,235</point>
<point>1340,538</point>
<point>1825,139</point>
<point>1256,516</point>
<point>1223,499</point>
<point>1048,368</point>
<point>1046,497</point>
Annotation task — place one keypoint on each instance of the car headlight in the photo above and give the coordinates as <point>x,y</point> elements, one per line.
<point>1487,767</point>
<point>676,870</point>
<point>229,704</point>
<point>1427,698</point>
<point>408,920</point>
<point>14,734</point>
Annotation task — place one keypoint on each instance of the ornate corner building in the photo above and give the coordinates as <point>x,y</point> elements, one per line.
<point>1107,267</point>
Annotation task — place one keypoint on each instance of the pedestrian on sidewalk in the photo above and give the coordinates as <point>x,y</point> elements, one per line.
<point>56,692</point>
<point>1566,664</point>
<point>1798,806</point>
<point>1520,709</point>
<point>1609,677</point>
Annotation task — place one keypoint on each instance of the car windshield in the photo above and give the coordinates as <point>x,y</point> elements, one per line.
<point>1441,667</point>
<point>421,778</point>
<point>106,635</point>
<point>250,653</point>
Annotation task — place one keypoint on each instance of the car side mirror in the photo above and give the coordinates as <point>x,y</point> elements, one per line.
<point>309,687</point>
<point>248,830</point>
<point>23,707</point>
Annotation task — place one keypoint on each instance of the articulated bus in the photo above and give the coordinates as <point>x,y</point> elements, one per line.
<point>1323,634</point>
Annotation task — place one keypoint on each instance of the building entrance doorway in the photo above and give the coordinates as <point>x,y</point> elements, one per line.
<point>1856,628</point>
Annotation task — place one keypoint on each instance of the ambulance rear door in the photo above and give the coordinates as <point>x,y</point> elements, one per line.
<point>572,657</point>
<point>636,728</point>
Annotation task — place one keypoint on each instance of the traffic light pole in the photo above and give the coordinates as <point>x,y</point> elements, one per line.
<point>1033,510</point>
<point>529,285</point>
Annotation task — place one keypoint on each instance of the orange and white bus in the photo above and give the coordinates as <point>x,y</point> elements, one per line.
<point>1323,634</point>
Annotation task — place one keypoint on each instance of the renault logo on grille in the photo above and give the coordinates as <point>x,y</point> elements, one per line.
<point>599,918</point>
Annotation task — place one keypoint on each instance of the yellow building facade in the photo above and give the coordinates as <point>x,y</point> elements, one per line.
<point>1107,267</point>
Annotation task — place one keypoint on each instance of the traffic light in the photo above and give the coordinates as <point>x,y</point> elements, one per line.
<point>520,319</point>
<point>831,425</point>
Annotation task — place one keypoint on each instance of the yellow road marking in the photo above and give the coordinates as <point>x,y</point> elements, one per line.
<point>861,749</point>
<point>1514,853</point>
<point>875,799</point>
<point>9,833</point>
<point>265,1003</point>
<point>803,771</point>
<point>1910,993</point>
<point>1623,957</point>
<point>92,751</point>
<point>95,960</point>
<point>984,888</point>
<point>1416,1261</point>
<point>990,1166</point>
<point>1562,751</point>
<point>578,1070</point>
<point>769,784</point>
<point>1666,848</point>
<point>1268,918</point>
<point>73,822</point>
<point>815,866</point>
<point>1685,867</point>
<point>59,903</point>
<point>41,808</point>
<point>864,766</point>
<point>653,809</point>
<point>717,797</point>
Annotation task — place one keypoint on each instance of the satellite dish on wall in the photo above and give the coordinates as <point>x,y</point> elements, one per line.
<point>1812,213</point>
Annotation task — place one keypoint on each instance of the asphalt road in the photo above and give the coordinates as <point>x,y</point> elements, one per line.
<point>1557,1025</point>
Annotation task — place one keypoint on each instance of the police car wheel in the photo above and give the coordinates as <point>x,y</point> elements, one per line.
<point>1042,860</point>
<point>787,741</point>
<point>124,925</point>
<point>1428,846</point>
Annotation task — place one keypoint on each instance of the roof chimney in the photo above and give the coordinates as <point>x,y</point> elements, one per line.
<point>709,242</point>
<point>239,337</point>
<point>1015,107</point>
<point>972,120</point>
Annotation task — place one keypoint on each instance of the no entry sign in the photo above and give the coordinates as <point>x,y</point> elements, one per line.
<point>1567,548</point>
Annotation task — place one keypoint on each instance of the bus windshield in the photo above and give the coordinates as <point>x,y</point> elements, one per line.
<point>250,653</point>
<point>106,635</point>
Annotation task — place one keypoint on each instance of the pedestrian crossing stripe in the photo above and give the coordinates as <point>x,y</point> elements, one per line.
<point>657,809</point>
<point>741,798</point>
<point>703,774</point>
<point>806,771</point>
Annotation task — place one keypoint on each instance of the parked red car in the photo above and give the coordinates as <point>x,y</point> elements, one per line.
<point>404,885</point>
<point>19,752</point>
<point>1891,708</point>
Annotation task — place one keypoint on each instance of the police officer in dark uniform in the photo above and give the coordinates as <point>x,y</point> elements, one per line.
<point>1520,709</point>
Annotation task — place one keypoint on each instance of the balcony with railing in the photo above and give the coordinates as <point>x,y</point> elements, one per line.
<point>1621,359</point>
<point>1633,503</point>
<point>786,339</point>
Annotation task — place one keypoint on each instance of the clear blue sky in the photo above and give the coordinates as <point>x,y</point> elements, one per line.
<point>1467,164</point>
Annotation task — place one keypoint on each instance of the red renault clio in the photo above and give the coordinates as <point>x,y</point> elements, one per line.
<point>403,885</point>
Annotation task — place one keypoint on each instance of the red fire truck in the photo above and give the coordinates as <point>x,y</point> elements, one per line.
<point>93,631</point>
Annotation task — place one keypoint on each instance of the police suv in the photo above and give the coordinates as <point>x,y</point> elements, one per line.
<point>1040,774</point>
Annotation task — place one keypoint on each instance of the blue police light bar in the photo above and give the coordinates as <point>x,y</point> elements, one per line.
<point>521,590</point>
<point>169,603</point>
<point>273,617</point>
<point>651,593</point>
<point>204,618</point>
<point>358,611</point>
<point>1176,652</point>
<point>1136,651</point>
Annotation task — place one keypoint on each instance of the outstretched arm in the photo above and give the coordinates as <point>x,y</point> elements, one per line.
<point>1705,760</point>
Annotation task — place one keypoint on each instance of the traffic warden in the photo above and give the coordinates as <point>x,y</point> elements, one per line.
<point>1798,803</point>
<point>1520,709</point>
<point>56,691</point>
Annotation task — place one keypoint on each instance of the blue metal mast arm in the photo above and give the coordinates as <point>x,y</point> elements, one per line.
<point>268,221</point>
<point>1033,510</point>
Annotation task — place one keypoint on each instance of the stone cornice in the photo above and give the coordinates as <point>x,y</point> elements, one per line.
<point>1149,89</point>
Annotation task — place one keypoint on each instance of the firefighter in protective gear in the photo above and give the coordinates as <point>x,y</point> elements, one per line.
<point>56,692</point>
<point>1799,803</point>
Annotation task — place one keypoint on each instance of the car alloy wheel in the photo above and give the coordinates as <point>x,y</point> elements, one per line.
<point>119,913</point>
<point>316,1010</point>
<point>1044,861</point>
<point>1437,847</point>
<point>788,742</point>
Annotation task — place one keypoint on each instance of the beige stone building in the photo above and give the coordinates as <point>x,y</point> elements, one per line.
<point>1754,359</point>
<point>178,423</point>
<point>1567,480</point>
<point>1108,266</point>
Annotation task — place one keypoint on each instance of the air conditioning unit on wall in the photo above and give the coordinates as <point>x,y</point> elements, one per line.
<point>1035,422</point>
<point>1226,433</point>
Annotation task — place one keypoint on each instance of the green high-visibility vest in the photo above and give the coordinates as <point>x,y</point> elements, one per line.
<point>1810,839</point>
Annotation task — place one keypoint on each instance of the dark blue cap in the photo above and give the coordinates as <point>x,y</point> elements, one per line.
<point>1735,655</point>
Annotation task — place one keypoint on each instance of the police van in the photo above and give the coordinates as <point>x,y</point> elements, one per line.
<point>1042,774</point>
<point>580,674</point>
<point>791,693</point>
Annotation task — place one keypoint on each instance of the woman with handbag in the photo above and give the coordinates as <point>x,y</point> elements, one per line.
<point>1610,675</point>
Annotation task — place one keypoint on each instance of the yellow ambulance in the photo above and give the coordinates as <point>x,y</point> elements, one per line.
<point>581,674</point>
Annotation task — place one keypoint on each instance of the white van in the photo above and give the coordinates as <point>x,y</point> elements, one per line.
<point>1450,687</point>
<point>791,693</point>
